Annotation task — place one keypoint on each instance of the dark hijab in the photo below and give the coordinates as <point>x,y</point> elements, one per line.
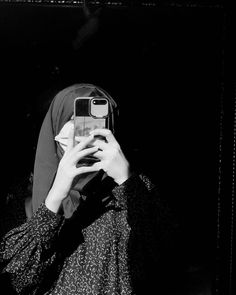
<point>49,152</point>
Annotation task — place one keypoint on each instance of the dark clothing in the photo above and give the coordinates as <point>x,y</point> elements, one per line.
<point>108,247</point>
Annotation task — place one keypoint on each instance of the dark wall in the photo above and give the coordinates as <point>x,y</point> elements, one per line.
<point>164,68</point>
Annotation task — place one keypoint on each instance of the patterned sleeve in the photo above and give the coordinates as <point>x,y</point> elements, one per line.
<point>131,189</point>
<point>27,251</point>
<point>147,211</point>
<point>154,227</point>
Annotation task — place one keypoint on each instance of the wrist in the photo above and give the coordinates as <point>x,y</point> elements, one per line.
<point>121,180</point>
<point>123,177</point>
<point>54,200</point>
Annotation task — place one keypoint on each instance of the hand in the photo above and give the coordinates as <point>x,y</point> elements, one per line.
<point>112,159</point>
<point>67,170</point>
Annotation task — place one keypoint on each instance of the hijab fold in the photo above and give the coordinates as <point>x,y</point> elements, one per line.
<point>49,152</point>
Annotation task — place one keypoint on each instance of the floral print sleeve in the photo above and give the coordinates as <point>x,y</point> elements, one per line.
<point>153,228</point>
<point>130,189</point>
<point>28,251</point>
<point>116,252</point>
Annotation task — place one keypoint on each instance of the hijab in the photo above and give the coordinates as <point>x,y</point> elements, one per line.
<point>49,151</point>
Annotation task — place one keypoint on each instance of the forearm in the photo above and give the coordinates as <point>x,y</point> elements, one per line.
<point>53,200</point>
<point>39,232</point>
<point>28,251</point>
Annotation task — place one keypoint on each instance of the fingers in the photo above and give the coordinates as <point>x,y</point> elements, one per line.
<point>80,138</point>
<point>106,133</point>
<point>100,155</point>
<point>86,169</point>
<point>86,152</point>
<point>96,142</point>
<point>100,144</point>
<point>84,143</point>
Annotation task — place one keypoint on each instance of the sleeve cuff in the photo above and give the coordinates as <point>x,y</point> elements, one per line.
<point>45,223</point>
<point>130,189</point>
<point>125,190</point>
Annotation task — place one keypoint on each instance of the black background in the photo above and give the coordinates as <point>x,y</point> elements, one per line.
<point>163,66</point>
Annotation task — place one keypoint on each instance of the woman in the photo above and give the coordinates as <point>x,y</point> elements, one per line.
<point>95,229</point>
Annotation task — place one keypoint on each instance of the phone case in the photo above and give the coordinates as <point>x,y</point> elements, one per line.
<point>90,114</point>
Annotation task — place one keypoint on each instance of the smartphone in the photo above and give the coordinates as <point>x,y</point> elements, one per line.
<point>90,113</point>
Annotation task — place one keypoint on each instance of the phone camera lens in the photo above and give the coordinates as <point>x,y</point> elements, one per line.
<point>100,101</point>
